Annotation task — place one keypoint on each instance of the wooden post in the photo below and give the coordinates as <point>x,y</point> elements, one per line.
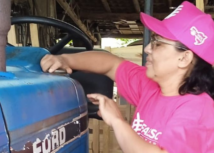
<point>34,35</point>
<point>200,4</point>
<point>96,136</point>
<point>106,138</point>
<point>52,13</point>
<point>11,37</point>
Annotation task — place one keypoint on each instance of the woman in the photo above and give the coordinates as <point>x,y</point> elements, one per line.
<point>173,93</point>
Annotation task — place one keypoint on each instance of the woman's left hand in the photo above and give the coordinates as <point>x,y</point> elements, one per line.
<point>108,109</point>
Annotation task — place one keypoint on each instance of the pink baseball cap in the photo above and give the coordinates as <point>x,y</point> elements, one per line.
<point>188,25</point>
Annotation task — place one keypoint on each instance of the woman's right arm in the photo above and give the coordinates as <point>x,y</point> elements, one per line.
<point>91,61</point>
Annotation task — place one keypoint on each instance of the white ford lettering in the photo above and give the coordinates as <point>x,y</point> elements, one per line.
<point>50,143</point>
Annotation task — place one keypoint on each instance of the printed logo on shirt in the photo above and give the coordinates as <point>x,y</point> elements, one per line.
<point>175,12</point>
<point>149,134</point>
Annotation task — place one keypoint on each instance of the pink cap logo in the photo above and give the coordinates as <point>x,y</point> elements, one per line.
<point>200,37</point>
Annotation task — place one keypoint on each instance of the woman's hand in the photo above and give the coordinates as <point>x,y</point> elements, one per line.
<point>127,138</point>
<point>51,63</point>
<point>108,109</point>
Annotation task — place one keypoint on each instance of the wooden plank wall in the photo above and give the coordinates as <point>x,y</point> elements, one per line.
<point>11,37</point>
<point>102,138</point>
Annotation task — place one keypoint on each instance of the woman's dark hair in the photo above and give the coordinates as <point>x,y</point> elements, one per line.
<point>200,80</point>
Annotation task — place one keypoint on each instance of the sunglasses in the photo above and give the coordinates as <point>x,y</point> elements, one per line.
<point>154,42</point>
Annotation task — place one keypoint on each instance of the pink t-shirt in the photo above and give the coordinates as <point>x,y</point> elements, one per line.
<point>179,124</point>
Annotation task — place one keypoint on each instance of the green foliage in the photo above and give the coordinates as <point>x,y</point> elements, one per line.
<point>70,42</point>
<point>125,41</point>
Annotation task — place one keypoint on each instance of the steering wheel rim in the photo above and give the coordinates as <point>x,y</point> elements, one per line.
<point>73,32</point>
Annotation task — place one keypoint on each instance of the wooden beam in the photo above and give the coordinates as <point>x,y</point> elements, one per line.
<point>200,4</point>
<point>136,5</point>
<point>121,16</point>
<point>106,30</point>
<point>106,5</point>
<point>209,7</point>
<point>77,21</point>
<point>117,16</point>
<point>130,36</point>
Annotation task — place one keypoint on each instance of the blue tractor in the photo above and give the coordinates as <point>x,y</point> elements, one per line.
<point>41,112</point>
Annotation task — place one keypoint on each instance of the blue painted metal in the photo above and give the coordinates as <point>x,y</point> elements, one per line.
<point>24,58</point>
<point>81,97</point>
<point>83,141</point>
<point>35,104</point>
<point>4,140</point>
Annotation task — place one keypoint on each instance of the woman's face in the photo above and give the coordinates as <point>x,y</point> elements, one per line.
<point>163,59</point>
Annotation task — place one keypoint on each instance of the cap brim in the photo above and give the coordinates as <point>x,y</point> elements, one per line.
<point>156,26</point>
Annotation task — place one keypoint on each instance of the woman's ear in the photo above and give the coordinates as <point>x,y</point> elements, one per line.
<point>185,59</point>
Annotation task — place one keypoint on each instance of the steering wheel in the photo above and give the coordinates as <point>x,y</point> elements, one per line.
<point>73,32</point>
